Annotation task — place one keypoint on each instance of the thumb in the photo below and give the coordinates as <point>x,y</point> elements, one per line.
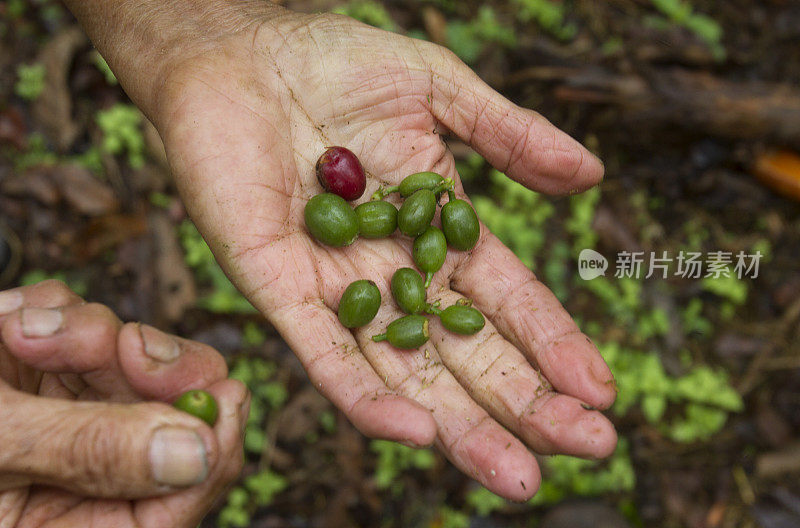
<point>101,449</point>
<point>515,140</point>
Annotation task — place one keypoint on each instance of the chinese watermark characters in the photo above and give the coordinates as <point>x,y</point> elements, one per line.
<point>686,264</point>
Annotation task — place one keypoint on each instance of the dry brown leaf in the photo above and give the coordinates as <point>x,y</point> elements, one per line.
<point>53,109</point>
<point>33,183</point>
<point>83,192</point>
<point>176,288</point>
<point>107,232</point>
<point>775,464</point>
<point>435,25</point>
<point>301,415</point>
<point>12,128</point>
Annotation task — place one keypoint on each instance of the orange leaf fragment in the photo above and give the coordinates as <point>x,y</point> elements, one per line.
<point>780,170</point>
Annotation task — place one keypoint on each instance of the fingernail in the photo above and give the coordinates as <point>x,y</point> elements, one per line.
<point>10,301</point>
<point>41,322</point>
<point>178,457</point>
<point>158,345</point>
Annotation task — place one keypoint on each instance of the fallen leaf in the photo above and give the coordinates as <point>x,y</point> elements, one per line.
<point>107,232</point>
<point>780,170</point>
<point>85,193</point>
<point>775,464</point>
<point>589,514</point>
<point>435,25</point>
<point>176,287</point>
<point>33,183</point>
<point>53,109</point>
<point>301,415</point>
<point>716,514</point>
<point>12,128</point>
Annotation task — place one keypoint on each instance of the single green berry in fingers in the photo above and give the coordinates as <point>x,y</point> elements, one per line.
<point>460,224</point>
<point>376,219</point>
<point>416,213</point>
<point>429,251</point>
<point>359,303</point>
<point>408,290</point>
<point>406,333</point>
<point>331,220</point>
<point>198,403</point>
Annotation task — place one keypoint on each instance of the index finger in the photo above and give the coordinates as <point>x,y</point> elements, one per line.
<point>517,141</point>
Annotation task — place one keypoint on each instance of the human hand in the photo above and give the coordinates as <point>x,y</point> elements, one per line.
<point>79,446</point>
<point>247,97</point>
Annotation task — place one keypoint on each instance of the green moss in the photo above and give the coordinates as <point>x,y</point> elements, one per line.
<point>516,215</point>
<point>258,490</point>
<point>264,486</point>
<point>547,14</point>
<point>566,475</point>
<point>394,458</point>
<point>160,200</point>
<point>369,12</point>
<point>704,393</point>
<point>707,29</point>
<point>483,502</point>
<point>727,286</point>
<point>122,134</point>
<point>37,153</point>
<point>15,8</point>
<point>693,320</point>
<point>30,81</point>
<point>221,296</point>
<point>91,159</point>
<point>579,224</point>
<point>253,335</point>
<point>468,39</point>
<point>470,168</point>
<point>75,282</point>
<point>450,518</point>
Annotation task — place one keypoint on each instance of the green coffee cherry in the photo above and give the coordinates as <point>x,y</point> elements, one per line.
<point>420,180</point>
<point>408,290</point>
<point>411,184</point>
<point>462,319</point>
<point>406,333</point>
<point>460,224</point>
<point>198,403</point>
<point>359,303</point>
<point>429,251</point>
<point>376,219</point>
<point>416,213</point>
<point>331,220</point>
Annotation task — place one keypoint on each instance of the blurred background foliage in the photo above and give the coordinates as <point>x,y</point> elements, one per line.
<point>689,103</point>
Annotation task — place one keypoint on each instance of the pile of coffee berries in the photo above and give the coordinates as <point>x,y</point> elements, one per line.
<point>333,222</point>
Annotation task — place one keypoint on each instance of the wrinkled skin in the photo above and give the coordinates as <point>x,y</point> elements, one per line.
<point>76,429</point>
<point>247,98</point>
<point>291,86</point>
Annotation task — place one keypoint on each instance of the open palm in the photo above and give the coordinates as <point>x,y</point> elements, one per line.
<point>244,121</point>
